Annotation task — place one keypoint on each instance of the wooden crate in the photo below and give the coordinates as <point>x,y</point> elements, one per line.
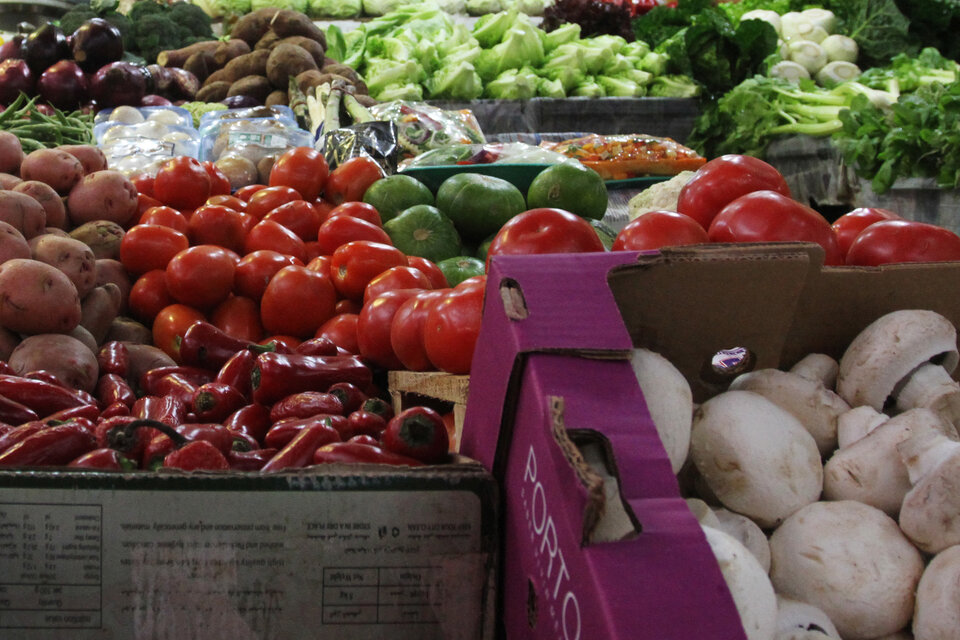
<point>444,392</point>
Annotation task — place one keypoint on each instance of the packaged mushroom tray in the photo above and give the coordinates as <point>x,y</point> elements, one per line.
<point>140,139</point>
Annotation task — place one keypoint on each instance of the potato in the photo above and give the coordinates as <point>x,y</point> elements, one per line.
<point>102,195</point>
<point>313,47</point>
<point>251,26</point>
<point>58,168</point>
<point>8,340</point>
<point>255,86</point>
<point>102,236</point>
<point>288,22</point>
<point>249,64</point>
<point>36,297</point>
<point>277,97</point>
<point>201,64</point>
<point>12,243</point>
<point>214,91</point>
<point>128,330</point>
<point>98,309</point>
<point>64,356</point>
<point>49,199</point>
<point>90,156</point>
<point>11,153</point>
<point>269,39</point>
<point>144,357</point>
<point>287,60</point>
<point>9,181</point>
<point>69,255</point>
<point>220,75</point>
<point>23,212</point>
<point>227,50</point>
<point>113,271</point>
<point>86,338</point>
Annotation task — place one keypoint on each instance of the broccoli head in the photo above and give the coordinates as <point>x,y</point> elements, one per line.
<point>76,16</point>
<point>155,33</point>
<point>193,18</point>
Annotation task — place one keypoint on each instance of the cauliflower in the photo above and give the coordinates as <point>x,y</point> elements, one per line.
<point>662,195</point>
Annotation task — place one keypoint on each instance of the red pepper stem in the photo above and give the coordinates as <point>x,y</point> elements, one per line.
<point>123,437</point>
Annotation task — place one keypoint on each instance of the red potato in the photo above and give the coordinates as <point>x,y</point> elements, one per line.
<point>36,297</point>
<point>8,341</point>
<point>90,156</point>
<point>144,357</point>
<point>9,181</point>
<point>49,199</point>
<point>102,195</point>
<point>70,256</point>
<point>66,357</point>
<point>12,243</point>
<point>125,329</point>
<point>23,212</point>
<point>103,236</point>
<point>84,336</point>
<point>98,309</point>
<point>11,153</point>
<point>57,168</point>
<point>109,270</point>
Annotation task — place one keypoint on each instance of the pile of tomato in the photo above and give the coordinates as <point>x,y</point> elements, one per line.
<point>298,258</point>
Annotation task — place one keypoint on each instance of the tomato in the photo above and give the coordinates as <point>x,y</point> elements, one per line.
<point>723,180</point>
<point>849,225</point>
<point>354,264</point>
<point>299,216</point>
<point>148,295</point>
<point>219,184</point>
<point>145,202</point>
<point>399,277</point>
<point>143,182</point>
<point>346,305</point>
<point>233,202</point>
<point>656,229</point>
<point>341,330</point>
<point>406,329</point>
<point>145,247</point>
<point>169,326</point>
<point>268,234</point>
<point>182,183</point>
<point>892,241</point>
<point>324,207</point>
<point>246,192</point>
<point>341,229</point>
<point>769,216</point>
<point>255,269</point>
<point>297,301</point>
<point>356,209</point>
<point>239,317</point>
<point>302,168</point>
<point>429,269</point>
<point>373,327</point>
<point>265,200</point>
<point>219,225</point>
<point>311,250</point>
<point>165,216</point>
<point>319,263</point>
<point>350,180</point>
<point>544,230</point>
<point>201,276</point>
<point>451,328</point>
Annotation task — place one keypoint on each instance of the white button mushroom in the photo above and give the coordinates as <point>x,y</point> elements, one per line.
<point>669,401</point>
<point>748,583</point>
<point>755,457</point>
<point>870,469</point>
<point>747,532</point>
<point>816,407</point>
<point>931,386</point>
<point>856,423</point>
<point>850,560</point>
<point>886,351</point>
<point>930,513</point>
<point>818,367</point>
<point>795,619</point>
<point>937,612</point>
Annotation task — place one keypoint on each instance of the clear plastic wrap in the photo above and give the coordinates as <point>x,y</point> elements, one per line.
<point>253,138</point>
<point>488,153</point>
<point>124,114</point>
<point>421,127</point>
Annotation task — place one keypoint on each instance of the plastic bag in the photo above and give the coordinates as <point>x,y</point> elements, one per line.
<point>376,140</point>
<point>489,153</point>
<point>421,127</point>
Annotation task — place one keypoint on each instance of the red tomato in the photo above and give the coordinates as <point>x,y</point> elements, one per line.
<point>299,216</point>
<point>346,305</point>
<point>319,263</point>
<point>148,295</point>
<point>406,329</point>
<point>354,264</point>
<point>220,225</point>
<point>268,234</point>
<point>182,183</point>
<point>451,328</point>
<point>169,326</point>
<point>341,330</point>
<point>144,183</point>
<point>340,229</point>
<point>356,209</point>
<point>350,180</point>
<point>239,317</point>
<point>399,277</point>
<point>233,202</point>
<point>656,229</point>
<point>165,216</point>
<point>324,207</point>
<point>245,193</point>
<point>145,247</point>
<point>769,216</point>
<point>544,230</point>
<point>297,301</point>
<point>219,184</point>
<point>265,200</point>
<point>302,168</point>
<point>892,241</point>
<point>201,276</point>
<point>255,269</point>
<point>373,327</point>
<point>145,202</point>
<point>429,269</point>
<point>311,250</point>
<point>723,180</point>
<point>849,225</point>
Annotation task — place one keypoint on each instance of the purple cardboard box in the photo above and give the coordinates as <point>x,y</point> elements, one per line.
<point>597,542</point>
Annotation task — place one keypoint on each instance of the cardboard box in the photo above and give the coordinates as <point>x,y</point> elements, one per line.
<point>358,551</point>
<point>444,392</point>
<point>597,542</point>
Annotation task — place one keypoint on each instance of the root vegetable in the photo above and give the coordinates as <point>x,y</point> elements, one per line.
<point>74,258</point>
<point>177,57</point>
<point>12,243</point>
<point>98,309</point>
<point>228,50</point>
<point>213,91</point>
<point>294,23</point>
<point>37,298</point>
<point>201,65</point>
<point>84,336</point>
<point>277,97</point>
<point>102,236</point>
<point>49,199</point>
<point>314,48</point>
<point>8,341</point>
<point>11,152</point>
<point>144,357</point>
<point>55,167</point>
<point>90,156</point>
<point>64,356</point>
<point>129,330</point>
<point>256,86</point>
<point>9,181</point>
<point>112,270</point>
<point>286,60</point>
<point>23,212</point>
<point>249,64</point>
<point>103,195</point>
<point>251,26</point>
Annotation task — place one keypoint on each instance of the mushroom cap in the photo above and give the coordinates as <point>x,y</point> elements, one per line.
<point>930,513</point>
<point>794,618</point>
<point>747,532</point>
<point>856,423</point>
<point>818,367</point>
<point>756,458</point>
<point>937,612</point>
<point>888,349</point>
<point>669,400</point>
<point>850,560</point>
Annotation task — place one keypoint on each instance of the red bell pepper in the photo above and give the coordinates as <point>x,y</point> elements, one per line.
<point>252,420</point>
<point>299,451</point>
<point>89,412</point>
<point>114,357</point>
<point>216,434</point>
<point>362,422</point>
<point>305,404</point>
<point>115,409</point>
<point>379,406</point>
<point>157,448</point>
<point>41,396</point>
<point>215,401</point>
<point>418,432</point>
<point>166,409</point>
<point>18,433</point>
<point>350,395</point>
<point>236,371</point>
<point>287,429</point>
<point>206,345</point>
<point>52,445</point>
<point>196,456</point>
<point>105,459</point>
<point>321,346</point>
<point>149,379</point>
<point>277,375</point>
<point>180,387</point>
<point>360,451</point>
<point>112,387</point>
<point>12,412</point>
<point>252,460</point>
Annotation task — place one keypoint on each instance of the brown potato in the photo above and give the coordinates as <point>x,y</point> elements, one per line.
<point>36,297</point>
